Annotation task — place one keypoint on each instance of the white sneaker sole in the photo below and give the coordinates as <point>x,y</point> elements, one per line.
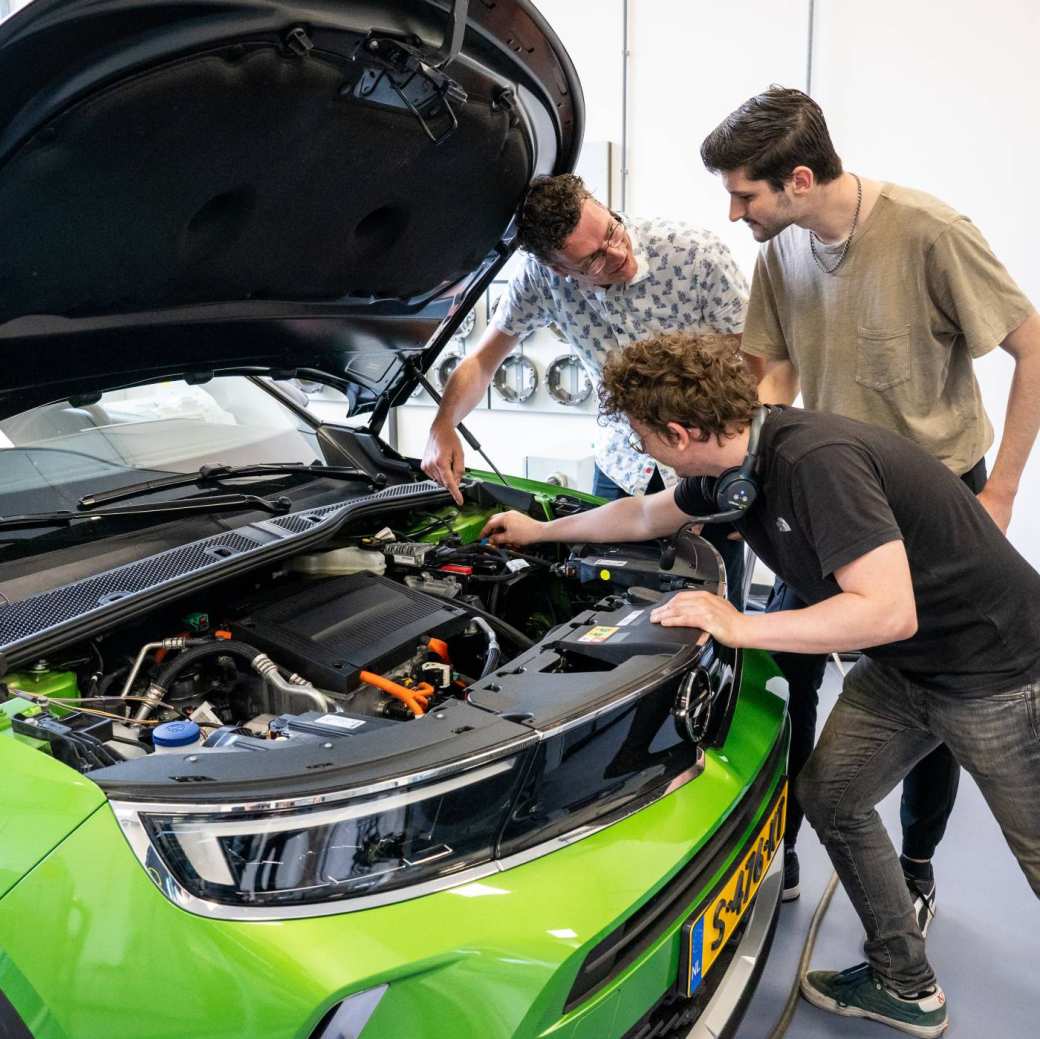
<point>818,999</point>
<point>928,918</point>
<point>789,894</point>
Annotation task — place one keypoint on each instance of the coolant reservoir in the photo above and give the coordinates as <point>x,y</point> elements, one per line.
<point>339,561</point>
<point>176,737</point>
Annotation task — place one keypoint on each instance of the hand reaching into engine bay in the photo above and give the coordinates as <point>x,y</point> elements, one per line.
<point>712,613</point>
<point>444,460</point>
<point>513,528</point>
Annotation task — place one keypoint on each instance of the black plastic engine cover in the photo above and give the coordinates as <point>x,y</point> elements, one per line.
<point>330,630</point>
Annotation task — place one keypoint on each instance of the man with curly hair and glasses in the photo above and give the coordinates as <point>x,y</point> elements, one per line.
<point>893,555</point>
<point>604,280</point>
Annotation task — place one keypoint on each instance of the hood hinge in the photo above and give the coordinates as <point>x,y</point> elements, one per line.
<point>401,73</point>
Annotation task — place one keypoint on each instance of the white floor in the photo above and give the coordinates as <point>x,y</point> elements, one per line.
<point>984,942</point>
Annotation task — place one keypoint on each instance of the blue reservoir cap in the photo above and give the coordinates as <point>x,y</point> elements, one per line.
<point>175,734</point>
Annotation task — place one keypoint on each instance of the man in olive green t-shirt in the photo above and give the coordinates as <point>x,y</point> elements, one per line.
<point>873,300</point>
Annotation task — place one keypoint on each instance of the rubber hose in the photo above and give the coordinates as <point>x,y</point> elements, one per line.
<point>111,678</point>
<point>494,654</point>
<point>219,647</point>
<point>784,1020</point>
<point>501,626</point>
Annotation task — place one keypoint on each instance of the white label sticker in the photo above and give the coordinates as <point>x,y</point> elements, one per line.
<point>343,723</point>
<point>610,562</point>
<point>631,618</point>
<point>517,564</point>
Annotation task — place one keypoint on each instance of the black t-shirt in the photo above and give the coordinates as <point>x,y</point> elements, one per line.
<point>833,489</point>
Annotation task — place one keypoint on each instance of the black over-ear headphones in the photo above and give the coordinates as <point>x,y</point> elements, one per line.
<point>734,491</point>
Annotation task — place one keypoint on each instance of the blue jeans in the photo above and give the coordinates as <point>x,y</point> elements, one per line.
<point>881,726</point>
<point>716,534</point>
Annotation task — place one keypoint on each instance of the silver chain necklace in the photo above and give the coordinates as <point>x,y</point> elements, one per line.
<point>848,241</point>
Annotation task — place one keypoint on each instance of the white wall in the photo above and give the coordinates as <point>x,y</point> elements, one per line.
<point>691,65</point>
<point>946,99</point>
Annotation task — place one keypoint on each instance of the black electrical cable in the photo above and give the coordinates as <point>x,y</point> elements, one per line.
<point>503,627</point>
<point>537,560</point>
<point>110,679</point>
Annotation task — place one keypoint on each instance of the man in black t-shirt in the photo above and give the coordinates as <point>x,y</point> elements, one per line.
<point>896,557</point>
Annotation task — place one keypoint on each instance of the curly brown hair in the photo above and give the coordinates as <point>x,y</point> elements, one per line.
<point>699,381</point>
<point>549,214</point>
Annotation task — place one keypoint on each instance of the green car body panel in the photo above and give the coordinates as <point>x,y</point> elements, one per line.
<point>86,932</point>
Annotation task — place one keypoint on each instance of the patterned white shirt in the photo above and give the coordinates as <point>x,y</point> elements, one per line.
<point>685,278</point>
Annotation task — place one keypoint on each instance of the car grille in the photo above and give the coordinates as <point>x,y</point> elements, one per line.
<point>674,1014</point>
<point>628,941</point>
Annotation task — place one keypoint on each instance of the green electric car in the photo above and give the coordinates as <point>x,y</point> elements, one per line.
<point>287,750</point>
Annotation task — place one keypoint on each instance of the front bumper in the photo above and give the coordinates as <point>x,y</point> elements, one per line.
<point>90,947</point>
<point>721,1017</point>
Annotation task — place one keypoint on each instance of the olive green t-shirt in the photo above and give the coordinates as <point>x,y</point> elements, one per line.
<point>889,338</point>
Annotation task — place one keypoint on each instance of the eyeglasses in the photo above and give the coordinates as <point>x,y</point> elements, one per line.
<point>635,441</point>
<point>596,264</point>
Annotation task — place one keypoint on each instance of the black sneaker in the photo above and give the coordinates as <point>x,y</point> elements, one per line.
<point>923,895</point>
<point>791,878</point>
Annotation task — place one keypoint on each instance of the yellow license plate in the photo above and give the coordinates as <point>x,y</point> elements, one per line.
<point>705,935</point>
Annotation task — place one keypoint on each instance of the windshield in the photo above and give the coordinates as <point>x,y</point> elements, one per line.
<point>52,455</point>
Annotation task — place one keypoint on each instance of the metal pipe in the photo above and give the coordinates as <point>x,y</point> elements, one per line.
<point>175,643</point>
<point>153,697</point>
<point>623,201</point>
<point>264,666</point>
<point>809,49</point>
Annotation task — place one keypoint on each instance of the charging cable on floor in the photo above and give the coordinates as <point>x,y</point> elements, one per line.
<point>787,1014</point>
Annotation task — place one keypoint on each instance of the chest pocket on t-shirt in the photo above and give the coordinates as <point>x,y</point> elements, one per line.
<point>882,357</point>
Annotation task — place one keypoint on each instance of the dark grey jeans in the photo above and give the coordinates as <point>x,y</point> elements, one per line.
<point>880,727</point>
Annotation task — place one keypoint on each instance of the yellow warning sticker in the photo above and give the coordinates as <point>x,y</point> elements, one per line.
<point>599,634</point>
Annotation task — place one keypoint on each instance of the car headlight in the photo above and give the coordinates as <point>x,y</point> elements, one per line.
<point>328,852</point>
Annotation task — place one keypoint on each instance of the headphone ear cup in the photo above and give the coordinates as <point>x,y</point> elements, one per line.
<point>736,489</point>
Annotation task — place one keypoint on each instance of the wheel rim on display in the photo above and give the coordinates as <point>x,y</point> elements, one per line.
<point>567,381</point>
<point>516,379</point>
<point>444,368</point>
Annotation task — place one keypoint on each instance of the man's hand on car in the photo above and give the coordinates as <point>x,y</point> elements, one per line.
<point>444,459</point>
<point>512,528</point>
<point>704,610</point>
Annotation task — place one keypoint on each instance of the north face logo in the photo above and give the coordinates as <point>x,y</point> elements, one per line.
<point>782,525</point>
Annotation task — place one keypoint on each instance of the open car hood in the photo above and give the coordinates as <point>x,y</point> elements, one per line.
<point>263,185</point>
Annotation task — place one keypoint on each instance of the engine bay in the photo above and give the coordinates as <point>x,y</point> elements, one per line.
<point>393,626</point>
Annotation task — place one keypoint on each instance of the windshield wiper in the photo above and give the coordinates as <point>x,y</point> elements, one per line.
<point>202,503</point>
<point>214,474</point>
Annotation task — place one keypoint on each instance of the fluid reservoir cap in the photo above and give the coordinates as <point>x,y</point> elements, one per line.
<point>175,734</point>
